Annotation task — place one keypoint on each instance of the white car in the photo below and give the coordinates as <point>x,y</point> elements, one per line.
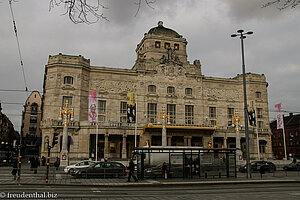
<point>81,164</point>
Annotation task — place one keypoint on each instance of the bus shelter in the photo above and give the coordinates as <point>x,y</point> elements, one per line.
<point>185,162</point>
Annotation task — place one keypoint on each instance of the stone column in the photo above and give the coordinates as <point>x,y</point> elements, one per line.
<point>225,142</point>
<point>106,150</point>
<point>169,140</point>
<point>124,150</point>
<point>189,141</point>
<point>185,140</point>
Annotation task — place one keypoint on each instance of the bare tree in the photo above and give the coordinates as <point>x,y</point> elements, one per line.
<point>282,4</point>
<point>88,11</point>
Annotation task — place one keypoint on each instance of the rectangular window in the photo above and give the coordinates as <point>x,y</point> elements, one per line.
<point>259,113</point>
<point>258,95</point>
<point>262,148</point>
<point>170,90</point>
<point>176,46</point>
<point>230,112</point>
<point>188,91</point>
<point>65,98</point>
<point>102,111</point>
<point>152,112</point>
<point>123,111</point>
<point>213,122</point>
<point>171,110</point>
<point>167,45</point>
<point>260,124</point>
<point>189,114</point>
<point>157,44</point>
<point>212,112</point>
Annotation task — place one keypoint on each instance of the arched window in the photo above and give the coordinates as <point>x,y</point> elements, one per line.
<point>170,90</point>
<point>152,89</point>
<point>68,80</point>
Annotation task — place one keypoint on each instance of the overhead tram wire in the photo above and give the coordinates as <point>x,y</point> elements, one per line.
<point>18,43</point>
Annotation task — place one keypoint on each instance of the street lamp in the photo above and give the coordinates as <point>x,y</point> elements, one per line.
<point>242,37</point>
<point>67,114</point>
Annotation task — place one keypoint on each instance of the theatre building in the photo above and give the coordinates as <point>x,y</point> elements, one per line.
<point>199,110</point>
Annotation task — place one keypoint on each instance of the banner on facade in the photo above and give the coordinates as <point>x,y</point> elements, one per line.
<point>131,107</point>
<point>93,107</point>
<point>251,113</point>
<point>279,116</point>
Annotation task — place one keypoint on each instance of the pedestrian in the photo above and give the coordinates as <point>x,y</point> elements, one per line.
<point>164,171</point>
<point>34,165</point>
<point>131,171</point>
<point>32,161</point>
<point>57,163</point>
<point>294,160</point>
<point>15,169</point>
<point>43,160</point>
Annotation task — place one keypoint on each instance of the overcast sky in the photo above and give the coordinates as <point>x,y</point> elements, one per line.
<point>272,50</point>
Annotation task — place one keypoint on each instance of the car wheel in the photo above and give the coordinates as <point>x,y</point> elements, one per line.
<point>71,171</point>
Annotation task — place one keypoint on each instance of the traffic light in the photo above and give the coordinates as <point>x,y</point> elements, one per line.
<point>55,139</point>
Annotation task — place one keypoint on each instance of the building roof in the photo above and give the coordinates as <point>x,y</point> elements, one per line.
<point>290,120</point>
<point>161,30</point>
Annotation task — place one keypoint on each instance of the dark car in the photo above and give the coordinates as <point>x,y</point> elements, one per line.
<point>292,167</point>
<point>255,166</point>
<point>101,169</point>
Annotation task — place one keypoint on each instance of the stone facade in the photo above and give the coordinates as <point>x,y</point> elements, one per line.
<point>200,108</point>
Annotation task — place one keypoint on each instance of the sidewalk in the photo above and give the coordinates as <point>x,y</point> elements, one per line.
<point>59,178</point>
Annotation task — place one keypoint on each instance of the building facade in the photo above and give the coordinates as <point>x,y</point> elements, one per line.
<point>292,137</point>
<point>199,108</point>
<point>31,119</point>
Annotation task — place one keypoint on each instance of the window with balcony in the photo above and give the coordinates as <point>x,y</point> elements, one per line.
<point>102,111</point>
<point>230,113</point>
<point>123,111</point>
<point>65,99</point>
<point>152,112</point>
<point>189,114</point>
<point>259,113</point>
<point>171,110</point>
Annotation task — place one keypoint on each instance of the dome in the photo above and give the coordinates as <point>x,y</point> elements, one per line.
<point>161,30</point>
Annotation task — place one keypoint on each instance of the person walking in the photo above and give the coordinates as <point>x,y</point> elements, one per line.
<point>164,171</point>
<point>57,163</point>
<point>131,171</point>
<point>43,160</point>
<point>15,169</point>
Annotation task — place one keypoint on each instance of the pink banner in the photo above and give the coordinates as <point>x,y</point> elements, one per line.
<point>93,107</point>
<point>279,116</point>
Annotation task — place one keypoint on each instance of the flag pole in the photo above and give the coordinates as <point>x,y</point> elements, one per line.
<point>135,129</point>
<point>284,142</point>
<point>97,142</point>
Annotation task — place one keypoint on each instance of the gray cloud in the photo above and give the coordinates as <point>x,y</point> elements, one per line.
<point>207,25</point>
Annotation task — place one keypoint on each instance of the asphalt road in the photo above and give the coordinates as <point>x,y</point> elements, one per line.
<point>219,192</point>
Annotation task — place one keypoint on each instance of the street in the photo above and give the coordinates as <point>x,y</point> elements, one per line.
<point>227,191</point>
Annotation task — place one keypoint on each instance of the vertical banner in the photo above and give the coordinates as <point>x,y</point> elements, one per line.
<point>131,108</point>
<point>279,116</point>
<point>251,113</point>
<point>93,107</point>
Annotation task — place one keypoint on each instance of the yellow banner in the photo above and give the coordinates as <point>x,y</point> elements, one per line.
<point>131,98</point>
<point>251,106</point>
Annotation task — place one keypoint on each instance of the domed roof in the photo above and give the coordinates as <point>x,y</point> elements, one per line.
<point>161,30</point>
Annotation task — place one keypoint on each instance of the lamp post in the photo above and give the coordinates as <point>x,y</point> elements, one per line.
<point>67,114</point>
<point>242,37</point>
<point>164,118</point>
<point>236,124</point>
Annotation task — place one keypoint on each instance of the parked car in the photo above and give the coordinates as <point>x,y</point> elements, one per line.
<point>292,167</point>
<point>101,169</point>
<point>70,169</point>
<point>255,166</point>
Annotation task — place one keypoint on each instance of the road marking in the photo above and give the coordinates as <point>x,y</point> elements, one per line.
<point>95,190</point>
